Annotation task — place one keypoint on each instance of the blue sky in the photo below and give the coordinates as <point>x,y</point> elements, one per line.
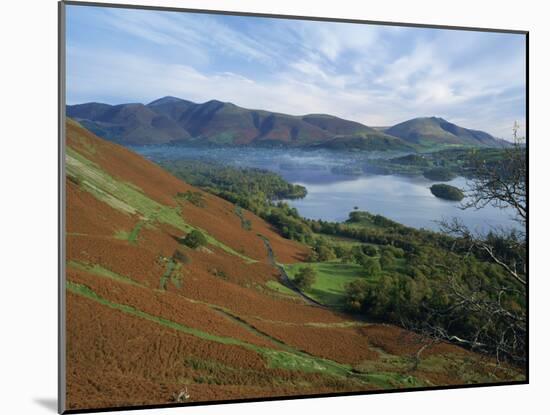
<point>377,75</point>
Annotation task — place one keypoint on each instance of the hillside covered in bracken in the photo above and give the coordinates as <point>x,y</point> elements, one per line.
<point>156,317</point>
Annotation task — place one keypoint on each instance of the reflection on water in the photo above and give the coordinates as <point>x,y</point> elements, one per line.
<point>407,200</point>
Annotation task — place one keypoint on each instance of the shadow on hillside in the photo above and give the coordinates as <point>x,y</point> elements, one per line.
<point>176,238</point>
<point>300,257</point>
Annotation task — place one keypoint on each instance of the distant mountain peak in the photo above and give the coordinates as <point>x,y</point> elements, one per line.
<point>216,102</point>
<point>429,118</point>
<point>429,131</point>
<point>166,100</point>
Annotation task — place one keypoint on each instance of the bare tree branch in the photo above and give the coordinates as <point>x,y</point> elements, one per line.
<point>502,328</point>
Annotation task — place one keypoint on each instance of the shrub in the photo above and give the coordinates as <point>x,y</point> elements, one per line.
<point>325,253</point>
<point>387,260</point>
<point>75,179</point>
<point>194,239</point>
<point>359,257</point>
<point>343,253</point>
<point>305,278</point>
<point>195,198</point>
<point>356,293</point>
<point>312,256</point>
<point>218,273</point>
<point>371,265</point>
<point>181,257</point>
<point>370,250</point>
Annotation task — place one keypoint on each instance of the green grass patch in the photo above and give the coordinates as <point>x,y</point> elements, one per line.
<point>100,271</point>
<point>293,361</point>
<point>345,324</point>
<point>122,235</point>
<point>172,274</point>
<point>280,288</point>
<point>331,280</point>
<point>245,223</point>
<point>133,235</point>
<point>195,198</point>
<point>391,380</point>
<point>340,240</point>
<point>384,380</point>
<point>175,278</point>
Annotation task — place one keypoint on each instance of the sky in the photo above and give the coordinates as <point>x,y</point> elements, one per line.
<point>377,75</point>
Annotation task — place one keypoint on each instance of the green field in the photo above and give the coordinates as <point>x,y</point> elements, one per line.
<point>331,280</point>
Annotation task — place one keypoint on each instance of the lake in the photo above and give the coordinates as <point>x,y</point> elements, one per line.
<point>406,200</point>
<point>331,196</point>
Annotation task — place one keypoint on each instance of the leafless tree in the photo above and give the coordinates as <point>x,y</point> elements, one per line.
<point>502,328</point>
<point>501,183</point>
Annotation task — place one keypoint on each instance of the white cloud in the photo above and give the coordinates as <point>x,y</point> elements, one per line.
<point>189,31</point>
<point>372,74</point>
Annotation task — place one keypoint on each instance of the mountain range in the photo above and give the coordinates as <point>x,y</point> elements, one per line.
<point>175,120</point>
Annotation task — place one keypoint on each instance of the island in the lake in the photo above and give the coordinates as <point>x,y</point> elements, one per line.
<point>448,192</point>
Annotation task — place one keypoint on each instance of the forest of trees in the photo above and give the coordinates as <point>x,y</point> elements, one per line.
<point>440,174</point>
<point>247,186</point>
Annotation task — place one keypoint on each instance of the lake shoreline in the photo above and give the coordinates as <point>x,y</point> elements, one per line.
<point>404,198</point>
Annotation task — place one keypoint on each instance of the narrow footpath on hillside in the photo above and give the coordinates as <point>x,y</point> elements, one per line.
<point>285,280</point>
